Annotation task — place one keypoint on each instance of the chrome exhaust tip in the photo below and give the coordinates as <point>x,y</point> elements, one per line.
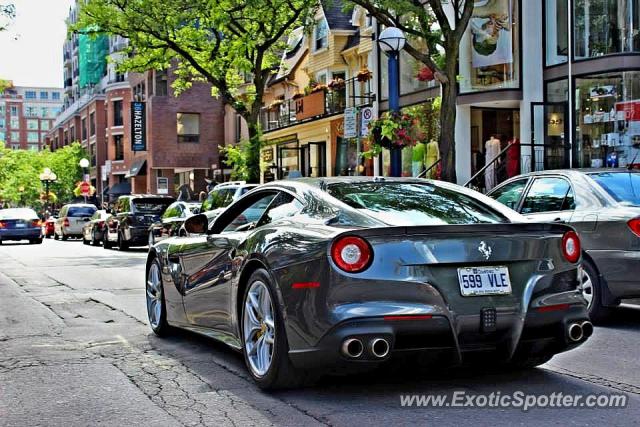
<point>352,347</point>
<point>587,328</point>
<point>575,332</point>
<point>379,347</point>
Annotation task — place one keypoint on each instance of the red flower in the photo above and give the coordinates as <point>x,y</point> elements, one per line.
<point>425,74</point>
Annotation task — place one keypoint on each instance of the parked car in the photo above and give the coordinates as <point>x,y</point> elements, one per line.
<point>48,228</point>
<point>223,195</point>
<point>20,224</point>
<point>93,230</point>
<point>71,219</point>
<point>604,208</point>
<point>128,224</point>
<point>348,272</point>
<point>171,221</point>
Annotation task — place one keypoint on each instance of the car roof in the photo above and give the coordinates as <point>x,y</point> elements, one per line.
<point>155,196</point>
<point>80,205</point>
<point>577,171</point>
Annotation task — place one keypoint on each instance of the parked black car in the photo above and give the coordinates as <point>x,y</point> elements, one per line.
<point>129,221</point>
<point>171,221</point>
<point>93,231</point>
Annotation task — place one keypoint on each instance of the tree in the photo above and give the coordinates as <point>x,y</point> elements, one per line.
<point>7,13</point>
<point>432,40</point>
<point>235,45</point>
<point>20,174</point>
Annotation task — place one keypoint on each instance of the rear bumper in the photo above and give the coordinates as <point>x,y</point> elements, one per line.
<point>72,231</point>
<point>438,337</point>
<point>137,235</point>
<point>620,271</point>
<point>21,234</point>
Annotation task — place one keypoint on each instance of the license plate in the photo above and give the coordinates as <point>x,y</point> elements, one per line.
<point>479,281</point>
<point>20,225</point>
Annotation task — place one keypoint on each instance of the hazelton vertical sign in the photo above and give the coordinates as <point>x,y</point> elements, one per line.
<point>138,126</point>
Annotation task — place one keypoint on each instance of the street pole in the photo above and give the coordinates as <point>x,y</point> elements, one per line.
<point>391,41</point>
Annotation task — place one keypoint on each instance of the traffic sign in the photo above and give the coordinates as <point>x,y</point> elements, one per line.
<point>366,116</point>
<point>350,122</point>
<point>85,188</point>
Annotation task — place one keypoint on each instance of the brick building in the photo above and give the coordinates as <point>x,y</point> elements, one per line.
<point>26,115</point>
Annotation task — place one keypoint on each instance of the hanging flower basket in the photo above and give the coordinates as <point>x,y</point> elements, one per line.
<point>364,75</point>
<point>425,74</point>
<point>337,84</point>
<point>391,130</point>
<point>320,88</point>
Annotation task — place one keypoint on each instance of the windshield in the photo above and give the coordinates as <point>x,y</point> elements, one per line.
<point>414,204</point>
<point>78,211</point>
<point>622,186</point>
<point>18,214</point>
<point>152,206</point>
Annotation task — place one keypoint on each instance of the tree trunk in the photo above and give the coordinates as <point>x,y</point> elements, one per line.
<point>253,153</point>
<point>448,126</point>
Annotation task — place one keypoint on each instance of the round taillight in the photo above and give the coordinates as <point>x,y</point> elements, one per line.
<point>351,254</point>
<point>634,225</point>
<point>571,246</point>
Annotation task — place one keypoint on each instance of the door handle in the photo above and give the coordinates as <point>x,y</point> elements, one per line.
<point>559,220</point>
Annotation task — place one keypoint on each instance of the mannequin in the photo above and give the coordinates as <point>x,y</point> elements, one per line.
<point>492,149</point>
<point>417,160</point>
<point>432,156</point>
<point>513,158</point>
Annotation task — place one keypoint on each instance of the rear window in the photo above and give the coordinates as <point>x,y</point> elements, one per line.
<point>153,206</point>
<point>76,211</point>
<point>414,204</point>
<point>622,186</point>
<point>18,214</point>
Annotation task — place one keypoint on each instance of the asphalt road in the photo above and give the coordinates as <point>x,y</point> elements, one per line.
<point>75,350</point>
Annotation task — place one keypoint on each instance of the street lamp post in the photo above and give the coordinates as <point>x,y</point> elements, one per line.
<point>84,164</point>
<point>47,177</point>
<point>391,41</point>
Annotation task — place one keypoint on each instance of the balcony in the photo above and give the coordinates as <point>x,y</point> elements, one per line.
<point>316,105</point>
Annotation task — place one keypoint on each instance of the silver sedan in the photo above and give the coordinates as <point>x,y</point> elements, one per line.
<point>603,205</point>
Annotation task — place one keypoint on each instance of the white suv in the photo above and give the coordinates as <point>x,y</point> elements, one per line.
<point>222,196</point>
<point>71,219</point>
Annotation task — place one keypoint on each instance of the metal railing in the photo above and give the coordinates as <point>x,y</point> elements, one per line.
<point>493,162</point>
<point>351,93</point>
<point>427,170</point>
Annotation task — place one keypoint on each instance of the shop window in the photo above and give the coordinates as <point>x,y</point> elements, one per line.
<point>188,127</point>
<point>608,120</point>
<point>492,56</point>
<point>557,36</point>
<point>119,147</point>
<point>604,27</point>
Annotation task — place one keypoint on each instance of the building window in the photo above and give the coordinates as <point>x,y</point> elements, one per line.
<point>55,96</point>
<point>92,124</point>
<point>14,124</point>
<point>15,136</point>
<point>603,27</point>
<point>3,136</point>
<point>30,111</point>
<point>188,127</point>
<point>32,124</point>
<point>117,113</point>
<point>2,109</point>
<point>238,127</point>
<point>491,60</point>
<point>161,83</point>
<point>119,145</point>
<point>321,34</point>
<point>607,120</point>
<point>30,94</point>
<point>14,110</point>
<point>2,123</point>
<point>44,125</point>
<point>44,94</point>
<point>557,35</point>
<point>33,137</point>
<point>33,147</point>
<point>83,128</point>
<point>73,133</point>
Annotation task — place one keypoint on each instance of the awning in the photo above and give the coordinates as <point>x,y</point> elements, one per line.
<point>137,167</point>
<point>120,189</point>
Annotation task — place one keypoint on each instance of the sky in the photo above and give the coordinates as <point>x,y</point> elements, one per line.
<point>31,47</point>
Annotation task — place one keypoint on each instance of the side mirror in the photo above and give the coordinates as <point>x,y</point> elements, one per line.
<point>197,224</point>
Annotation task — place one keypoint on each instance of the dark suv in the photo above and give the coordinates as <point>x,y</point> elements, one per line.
<point>130,219</point>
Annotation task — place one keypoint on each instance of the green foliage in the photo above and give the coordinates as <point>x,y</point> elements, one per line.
<point>20,174</point>
<point>237,157</point>
<point>216,41</point>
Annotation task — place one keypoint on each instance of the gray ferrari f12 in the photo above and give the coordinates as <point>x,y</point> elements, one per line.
<point>312,275</point>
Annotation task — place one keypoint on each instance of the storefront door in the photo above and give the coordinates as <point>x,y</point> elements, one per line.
<point>550,148</point>
<point>314,159</point>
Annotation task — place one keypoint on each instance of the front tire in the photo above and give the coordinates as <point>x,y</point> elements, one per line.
<point>265,346</point>
<point>592,291</point>
<point>156,307</point>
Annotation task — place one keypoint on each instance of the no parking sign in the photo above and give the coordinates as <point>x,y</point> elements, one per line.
<point>366,115</point>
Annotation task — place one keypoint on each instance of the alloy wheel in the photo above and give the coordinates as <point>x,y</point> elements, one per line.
<point>586,284</point>
<point>259,328</point>
<point>154,296</point>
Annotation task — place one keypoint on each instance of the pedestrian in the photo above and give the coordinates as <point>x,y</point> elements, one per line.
<point>202,196</point>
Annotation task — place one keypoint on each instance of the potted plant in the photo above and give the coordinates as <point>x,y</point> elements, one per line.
<point>337,84</point>
<point>425,74</point>
<point>393,131</point>
<point>319,87</point>
<point>364,75</point>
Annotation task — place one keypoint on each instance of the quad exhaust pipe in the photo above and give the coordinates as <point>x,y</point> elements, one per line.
<point>353,348</point>
<point>578,331</point>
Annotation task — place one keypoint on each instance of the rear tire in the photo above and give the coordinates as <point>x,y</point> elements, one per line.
<point>280,372</point>
<point>122,244</point>
<point>105,241</point>
<point>591,286</point>
<point>55,236</point>
<point>84,241</point>
<point>94,241</point>
<point>156,307</point>
<point>38,241</point>
<point>64,236</point>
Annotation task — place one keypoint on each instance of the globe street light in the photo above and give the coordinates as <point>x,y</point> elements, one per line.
<point>392,41</point>
<point>47,177</point>
<point>84,164</point>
